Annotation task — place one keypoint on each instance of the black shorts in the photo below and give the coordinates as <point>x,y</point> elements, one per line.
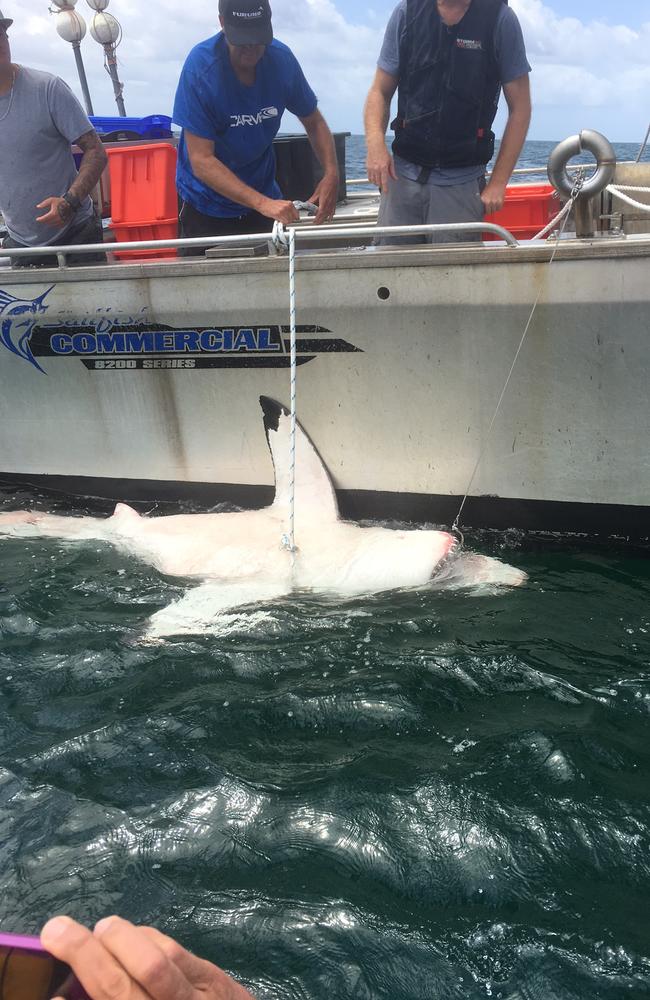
<point>88,231</point>
<point>192,224</point>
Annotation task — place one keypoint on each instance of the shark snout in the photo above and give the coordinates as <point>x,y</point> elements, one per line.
<point>448,546</point>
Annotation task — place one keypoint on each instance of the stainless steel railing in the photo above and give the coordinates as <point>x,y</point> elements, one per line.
<point>306,232</point>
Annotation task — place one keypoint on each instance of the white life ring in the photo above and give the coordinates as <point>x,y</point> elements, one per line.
<point>592,142</point>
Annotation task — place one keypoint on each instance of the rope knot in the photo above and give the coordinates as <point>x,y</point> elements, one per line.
<point>279,238</point>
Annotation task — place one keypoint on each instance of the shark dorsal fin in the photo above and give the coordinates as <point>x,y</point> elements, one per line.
<point>315,497</point>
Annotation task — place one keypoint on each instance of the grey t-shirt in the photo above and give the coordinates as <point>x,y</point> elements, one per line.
<point>43,118</point>
<point>511,57</point>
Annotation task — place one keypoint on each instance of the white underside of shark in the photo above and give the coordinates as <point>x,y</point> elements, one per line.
<point>241,559</point>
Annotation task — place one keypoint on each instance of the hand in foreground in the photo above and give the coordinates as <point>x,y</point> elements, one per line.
<point>380,166</point>
<point>122,962</point>
<point>325,196</point>
<point>58,212</point>
<point>493,197</point>
<point>281,211</point>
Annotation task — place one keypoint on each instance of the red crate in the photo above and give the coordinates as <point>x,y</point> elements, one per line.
<point>527,210</point>
<point>165,230</point>
<point>144,202</point>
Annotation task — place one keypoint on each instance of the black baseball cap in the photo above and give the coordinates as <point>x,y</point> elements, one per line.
<point>246,22</point>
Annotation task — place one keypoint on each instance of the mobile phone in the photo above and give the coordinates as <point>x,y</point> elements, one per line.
<point>28,972</point>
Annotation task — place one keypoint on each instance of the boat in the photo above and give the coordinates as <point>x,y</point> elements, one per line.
<point>140,379</point>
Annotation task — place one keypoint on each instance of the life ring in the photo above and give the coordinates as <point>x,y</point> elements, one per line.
<point>592,142</point>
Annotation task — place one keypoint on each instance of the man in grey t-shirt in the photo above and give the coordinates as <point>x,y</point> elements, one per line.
<point>43,199</point>
<point>448,60</point>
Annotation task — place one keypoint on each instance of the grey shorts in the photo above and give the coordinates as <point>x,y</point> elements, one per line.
<point>409,203</point>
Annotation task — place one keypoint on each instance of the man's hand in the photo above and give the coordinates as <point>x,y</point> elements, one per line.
<point>122,962</point>
<point>58,212</point>
<point>325,196</point>
<point>493,197</point>
<point>281,211</point>
<point>381,166</point>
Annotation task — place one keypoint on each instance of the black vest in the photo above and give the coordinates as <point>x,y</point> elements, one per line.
<point>449,86</point>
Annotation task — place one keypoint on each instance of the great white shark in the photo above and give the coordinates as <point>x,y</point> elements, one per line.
<point>241,558</point>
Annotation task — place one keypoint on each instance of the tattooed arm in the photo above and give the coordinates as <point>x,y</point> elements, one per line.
<point>92,166</point>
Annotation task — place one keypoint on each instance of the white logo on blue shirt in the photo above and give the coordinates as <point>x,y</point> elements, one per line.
<point>261,116</point>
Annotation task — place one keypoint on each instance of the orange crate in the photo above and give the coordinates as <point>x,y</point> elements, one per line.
<point>143,183</point>
<point>527,209</point>
<point>124,233</point>
<point>144,202</point>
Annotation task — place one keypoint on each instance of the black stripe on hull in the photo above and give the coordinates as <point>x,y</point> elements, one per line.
<point>616,523</point>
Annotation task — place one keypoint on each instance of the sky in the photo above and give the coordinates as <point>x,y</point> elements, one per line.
<point>590,58</point>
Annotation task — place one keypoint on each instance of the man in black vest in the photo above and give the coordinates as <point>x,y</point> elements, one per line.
<point>448,60</point>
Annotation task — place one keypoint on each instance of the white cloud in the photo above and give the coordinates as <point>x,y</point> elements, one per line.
<point>585,73</point>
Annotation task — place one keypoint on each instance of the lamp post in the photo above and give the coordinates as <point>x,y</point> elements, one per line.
<point>107,31</point>
<point>71,26</point>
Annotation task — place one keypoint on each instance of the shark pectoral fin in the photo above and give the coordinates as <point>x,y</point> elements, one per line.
<point>200,609</point>
<point>315,496</point>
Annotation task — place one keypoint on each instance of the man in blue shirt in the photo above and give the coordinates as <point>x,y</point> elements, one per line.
<point>233,91</point>
<point>449,61</point>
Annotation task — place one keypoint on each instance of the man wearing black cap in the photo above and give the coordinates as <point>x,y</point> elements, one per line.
<point>232,94</point>
<point>44,200</point>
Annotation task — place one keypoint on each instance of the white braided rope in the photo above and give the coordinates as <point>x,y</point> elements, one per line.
<point>558,218</point>
<point>616,191</point>
<point>279,237</point>
<point>290,542</point>
<point>574,195</point>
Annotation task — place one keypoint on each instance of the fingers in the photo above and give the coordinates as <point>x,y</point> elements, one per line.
<point>286,212</point>
<point>325,212</point>
<point>146,962</point>
<point>97,970</point>
<point>196,970</point>
<point>493,198</point>
<point>205,977</point>
<point>51,214</point>
<point>382,174</point>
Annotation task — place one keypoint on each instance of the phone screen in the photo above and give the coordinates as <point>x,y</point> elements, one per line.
<point>27,972</point>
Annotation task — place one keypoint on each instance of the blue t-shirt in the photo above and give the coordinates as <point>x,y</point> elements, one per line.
<point>242,121</point>
<point>511,58</point>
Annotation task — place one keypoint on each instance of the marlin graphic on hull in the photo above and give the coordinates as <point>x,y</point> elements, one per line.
<point>18,318</point>
<point>239,559</point>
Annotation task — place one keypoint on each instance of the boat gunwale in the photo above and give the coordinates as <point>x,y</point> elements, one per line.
<point>442,255</point>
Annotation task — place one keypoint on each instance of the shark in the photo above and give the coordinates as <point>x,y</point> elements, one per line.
<point>238,559</point>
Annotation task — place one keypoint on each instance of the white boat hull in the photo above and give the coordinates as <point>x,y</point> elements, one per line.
<point>145,381</point>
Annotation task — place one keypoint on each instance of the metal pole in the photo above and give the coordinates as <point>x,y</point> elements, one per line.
<point>118,88</point>
<point>82,77</point>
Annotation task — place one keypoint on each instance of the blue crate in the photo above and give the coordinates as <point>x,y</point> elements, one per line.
<point>151,127</point>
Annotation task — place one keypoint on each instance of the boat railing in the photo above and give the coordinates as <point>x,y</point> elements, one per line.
<point>255,239</point>
<point>519,172</point>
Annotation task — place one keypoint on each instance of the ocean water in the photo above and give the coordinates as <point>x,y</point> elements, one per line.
<point>419,795</point>
<point>534,154</point>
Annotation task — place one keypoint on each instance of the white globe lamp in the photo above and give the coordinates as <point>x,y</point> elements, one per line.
<point>70,26</point>
<point>105,29</point>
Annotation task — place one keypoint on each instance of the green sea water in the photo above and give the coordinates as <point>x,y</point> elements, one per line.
<point>419,795</point>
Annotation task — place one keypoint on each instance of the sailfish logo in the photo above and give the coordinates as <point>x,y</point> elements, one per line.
<point>18,317</point>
